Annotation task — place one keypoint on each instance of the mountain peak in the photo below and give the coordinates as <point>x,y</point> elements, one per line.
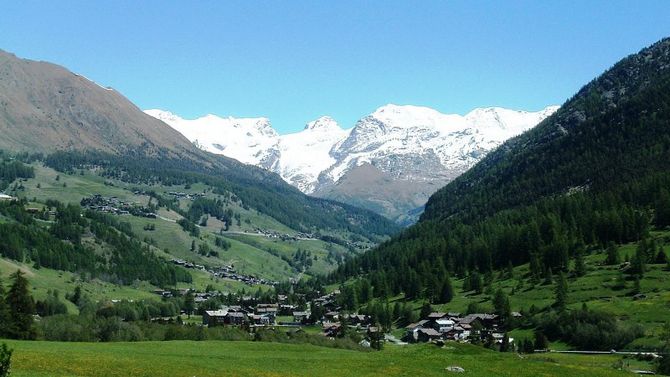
<point>391,110</point>
<point>323,123</point>
<point>163,115</point>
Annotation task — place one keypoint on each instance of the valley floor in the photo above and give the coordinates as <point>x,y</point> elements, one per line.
<point>213,358</point>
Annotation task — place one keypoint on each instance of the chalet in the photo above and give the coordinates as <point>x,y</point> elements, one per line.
<point>374,331</point>
<point>427,335</point>
<point>214,317</point>
<point>260,319</point>
<point>235,318</point>
<point>163,293</point>
<point>4,197</point>
<point>358,319</point>
<point>274,307</point>
<point>300,317</point>
<point>332,316</point>
<point>331,330</point>
<point>237,309</point>
<point>458,333</point>
<point>488,321</point>
<point>436,315</point>
<point>267,310</point>
<point>412,334</point>
<point>183,291</point>
<point>443,325</point>
<point>286,309</point>
<point>202,297</point>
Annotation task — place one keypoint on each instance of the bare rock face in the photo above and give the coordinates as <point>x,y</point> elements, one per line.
<point>44,108</point>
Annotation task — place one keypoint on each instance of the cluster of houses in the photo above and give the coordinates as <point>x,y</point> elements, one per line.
<point>260,315</point>
<point>438,326</point>
<point>199,297</point>
<point>116,206</point>
<point>453,326</point>
<point>184,195</point>
<point>264,314</point>
<point>282,236</point>
<point>225,272</point>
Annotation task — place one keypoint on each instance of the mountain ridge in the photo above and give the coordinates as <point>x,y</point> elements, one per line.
<point>71,121</point>
<point>592,176</point>
<point>45,107</point>
<point>407,143</point>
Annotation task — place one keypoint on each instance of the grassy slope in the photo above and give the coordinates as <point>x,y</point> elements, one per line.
<point>594,289</point>
<point>184,358</point>
<point>46,279</point>
<point>248,257</point>
<point>318,248</point>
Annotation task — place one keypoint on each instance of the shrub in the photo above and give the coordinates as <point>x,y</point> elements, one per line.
<point>589,330</point>
<point>5,360</point>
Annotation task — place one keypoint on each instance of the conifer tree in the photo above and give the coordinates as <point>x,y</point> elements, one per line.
<point>548,276</point>
<point>561,291</point>
<point>612,255</point>
<point>4,312</point>
<point>21,308</point>
<point>661,257</point>
<point>580,266</point>
<point>501,306</point>
<point>662,210</point>
<point>638,264</point>
<point>510,270</point>
<point>189,303</point>
<point>541,342</point>
<point>365,291</point>
<point>426,309</point>
<point>5,360</point>
<point>447,291</point>
<point>504,345</point>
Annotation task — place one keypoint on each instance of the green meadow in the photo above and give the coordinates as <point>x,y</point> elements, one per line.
<point>212,358</point>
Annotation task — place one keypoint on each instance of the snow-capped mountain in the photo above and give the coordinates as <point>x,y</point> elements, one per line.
<point>391,160</point>
<point>244,139</point>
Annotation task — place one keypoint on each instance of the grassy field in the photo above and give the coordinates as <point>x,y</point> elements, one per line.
<point>186,358</point>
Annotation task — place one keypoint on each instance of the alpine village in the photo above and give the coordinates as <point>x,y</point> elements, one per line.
<point>414,243</point>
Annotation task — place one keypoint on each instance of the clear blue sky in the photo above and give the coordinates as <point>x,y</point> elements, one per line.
<point>293,61</point>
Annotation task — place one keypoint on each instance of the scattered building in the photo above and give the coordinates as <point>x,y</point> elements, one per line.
<point>214,317</point>
<point>300,317</point>
<point>6,198</point>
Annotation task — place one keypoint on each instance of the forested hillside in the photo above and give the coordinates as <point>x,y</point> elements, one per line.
<point>257,188</point>
<point>613,131</point>
<point>594,173</point>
